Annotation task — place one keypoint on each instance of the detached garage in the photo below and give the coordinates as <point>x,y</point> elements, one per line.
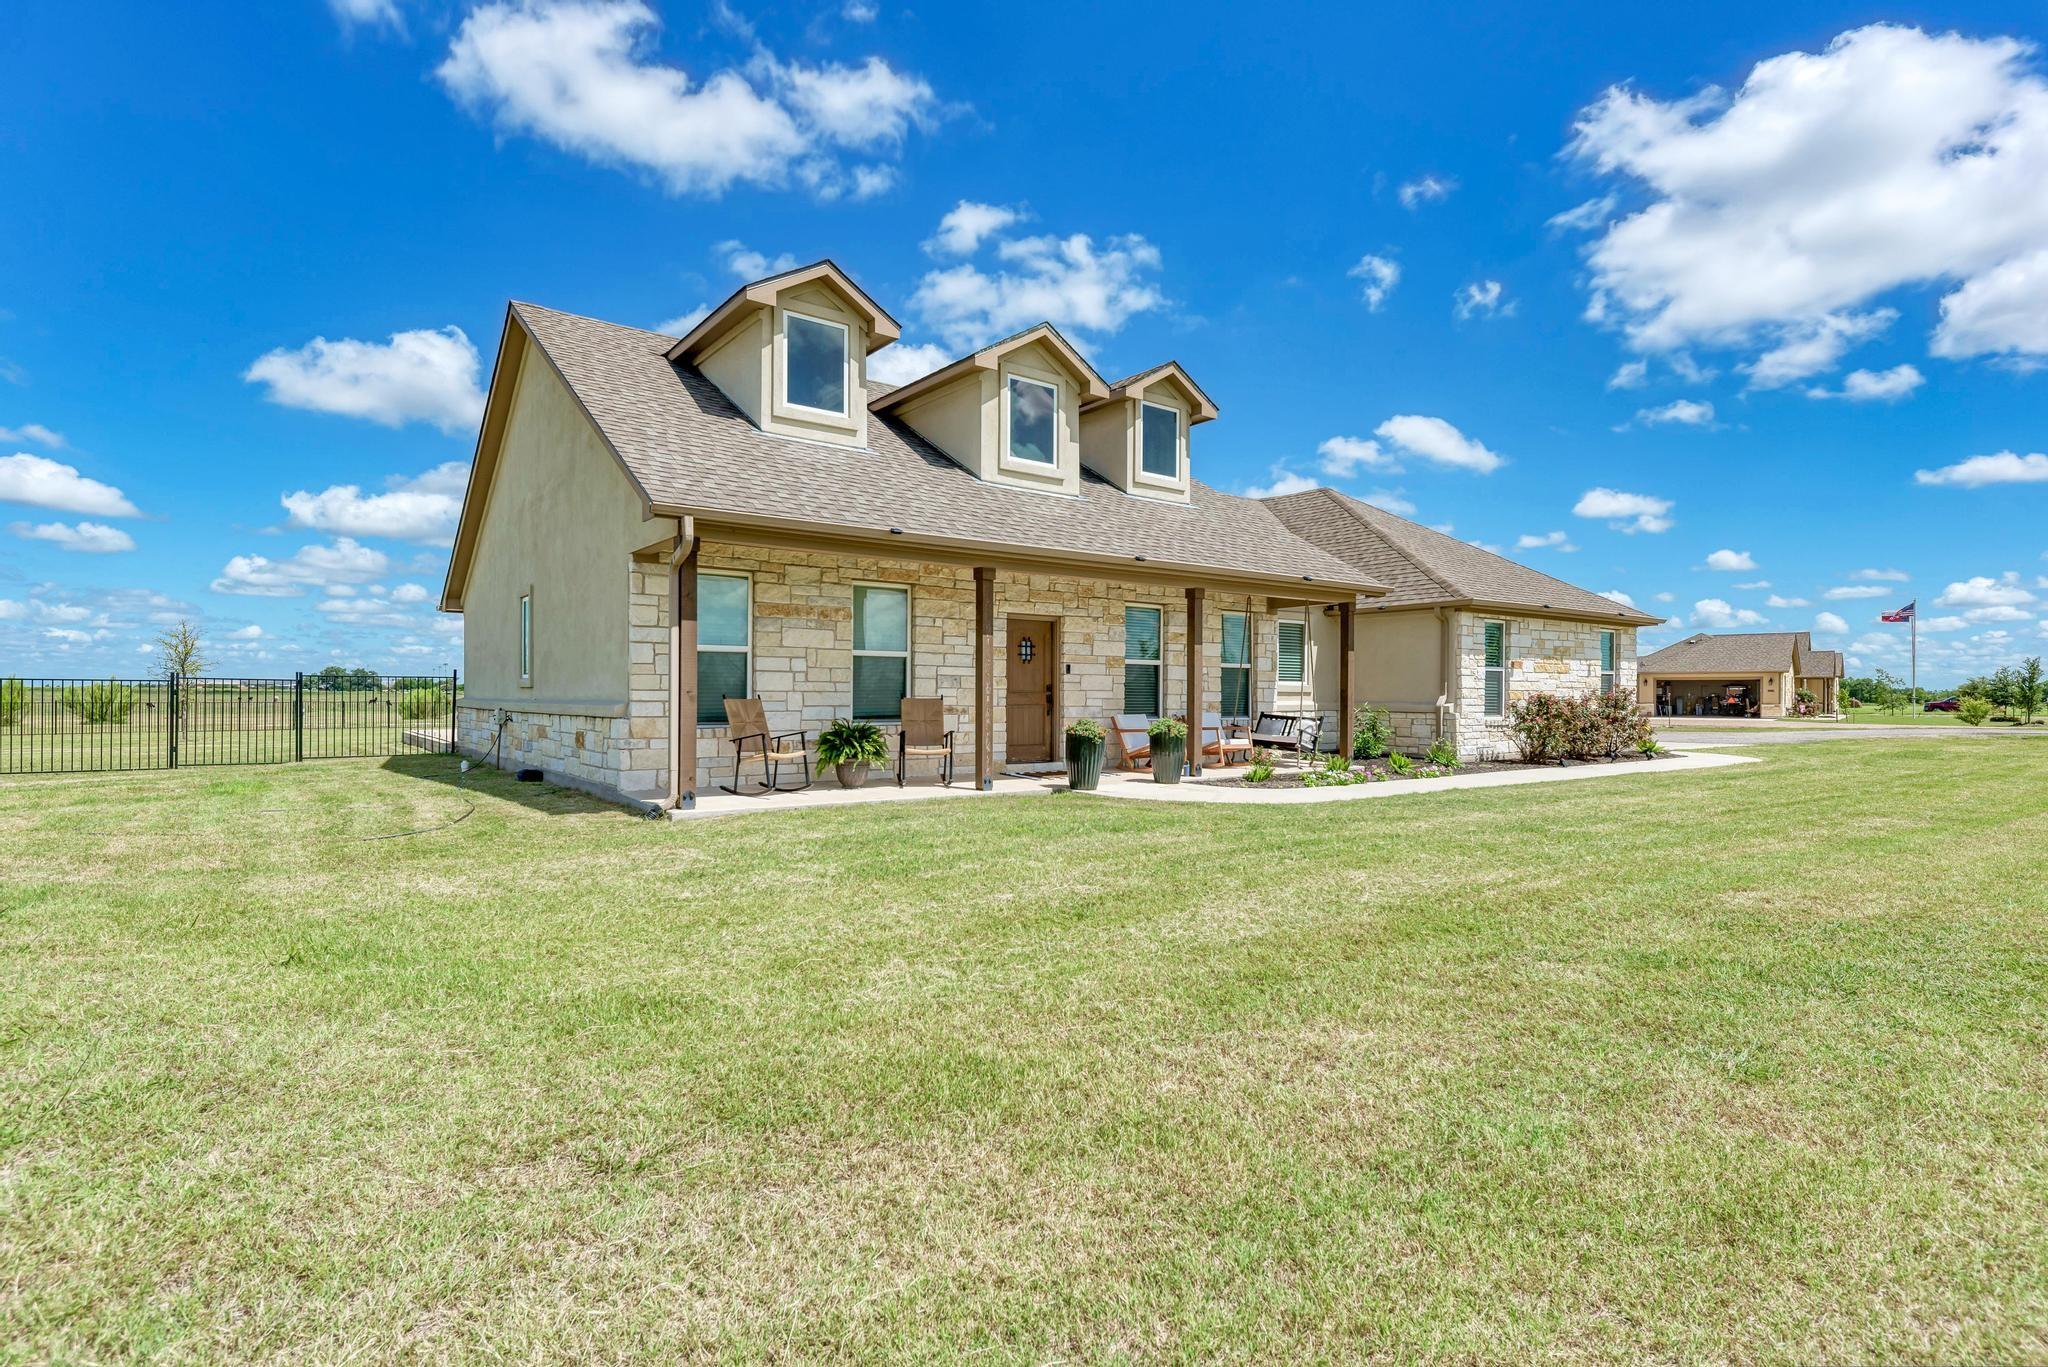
<point>1742,674</point>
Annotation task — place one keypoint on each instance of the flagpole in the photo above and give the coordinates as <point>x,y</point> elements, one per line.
<point>1915,685</point>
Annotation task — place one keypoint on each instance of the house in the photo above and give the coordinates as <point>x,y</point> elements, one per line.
<point>653,525</point>
<point>1753,674</point>
<point>1459,636</point>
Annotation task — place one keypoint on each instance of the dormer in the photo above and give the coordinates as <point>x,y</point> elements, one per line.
<point>1136,436</point>
<point>791,352</point>
<point>1010,412</point>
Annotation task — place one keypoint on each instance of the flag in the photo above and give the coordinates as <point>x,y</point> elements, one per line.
<point>1904,614</point>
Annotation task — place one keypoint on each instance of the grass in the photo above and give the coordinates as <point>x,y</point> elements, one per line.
<point>1874,716</point>
<point>1741,1065</point>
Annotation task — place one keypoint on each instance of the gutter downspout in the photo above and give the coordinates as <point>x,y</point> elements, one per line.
<point>1446,705</point>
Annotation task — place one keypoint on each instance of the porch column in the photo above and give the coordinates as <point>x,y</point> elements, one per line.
<point>1347,636</point>
<point>1195,597</point>
<point>682,671</point>
<point>984,678</point>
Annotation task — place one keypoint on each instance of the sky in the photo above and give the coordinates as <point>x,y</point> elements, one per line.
<point>1738,313</point>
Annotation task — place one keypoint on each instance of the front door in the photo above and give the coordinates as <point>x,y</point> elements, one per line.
<point>1028,696</point>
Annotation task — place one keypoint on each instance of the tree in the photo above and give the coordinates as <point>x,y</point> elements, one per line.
<point>2001,690</point>
<point>180,651</point>
<point>362,680</point>
<point>332,679</point>
<point>1890,693</point>
<point>1974,711</point>
<point>2030,691</point>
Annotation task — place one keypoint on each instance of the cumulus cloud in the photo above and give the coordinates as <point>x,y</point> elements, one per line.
<point>1868,386</point>
<point>1682,412</point>
<point>1755,584</point>
<point>1731,561</point>
<point>1882,576</point>
<point>1616,594</point>
<point>1893,157</point>
<point>1999,612</point>
<point>1848,591</point>
<point>1426,189</point>
<point>1069,281</point>
<point>252,632</point>
<point>1343,457</point>
<point>1393,500</point>
<point>43,483</point>
<point>422,509</point>
<point>91,538</point>
<point>1436,441</point>
<point>1625,512</point>
<point>1814,346</point>
<point>1722,616</point>
<point>1830,623</point>
<point>1541,541</point>
<point>1981,590</point>
<point>965,226</point>
<point>35,432</point>
<point>343,562</point>
<point>1284,481</point>
<point>425,375</point>
<point>1629,375</point>
<point>580,75</point>
<point>355,14</point>
<point>1778,601</point>
<point>902,362</point>
<point>1481,297</point>
<point>681,324</point>
<point>1380,274</point>
<point>2004,468</point>
<point>744,263</point>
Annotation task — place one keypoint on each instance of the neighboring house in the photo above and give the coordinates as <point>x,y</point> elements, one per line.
<point>1755,673</point>
<point>653,525</point>
<point>1459,636</point>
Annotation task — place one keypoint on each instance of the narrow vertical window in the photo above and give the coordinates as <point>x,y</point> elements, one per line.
<point>526,640</point>
<point>1292,652</point>
<point>814,363</point>
<point>1160,454</point>
<point>725,643</point>
<point>1141,661</point>
<point>1495,667</point>
<point>1606,662</point>
<point>1033,406</point>
<point>881,651</point>
<point>1237,664</point>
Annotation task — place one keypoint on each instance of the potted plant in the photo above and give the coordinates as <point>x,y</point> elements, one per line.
<point>1169,739</point>
<point>852,748</point>
<point>1085,738</point>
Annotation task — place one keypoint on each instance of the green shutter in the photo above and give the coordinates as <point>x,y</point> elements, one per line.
<point>720,674</point>
<point>1496,644</point>
<point>1141,689</point>
<point>1496,669</point>
<point>1606,652</point>
<point>878,686</point>
<point>1290,652</point>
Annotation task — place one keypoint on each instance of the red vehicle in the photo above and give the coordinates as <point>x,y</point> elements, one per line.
<point>1941,705</point>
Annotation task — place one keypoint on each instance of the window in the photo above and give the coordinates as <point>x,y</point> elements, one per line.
<point>814,363</point>
<point>881,651</point>
<point>1495,669</point>
<point>1141,661</point>
<point>725,641</point>
<point>1292,636</point>
<point>1160,453</point>
<point>1237,664</point>
<point>526,640</point>
<point>1606,662</point>
<point>1032,407</point>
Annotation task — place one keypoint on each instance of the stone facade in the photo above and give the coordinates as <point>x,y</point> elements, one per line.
<point>1543,655</point>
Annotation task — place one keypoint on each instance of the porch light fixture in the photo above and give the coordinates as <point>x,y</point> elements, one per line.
<point>1024,650</point>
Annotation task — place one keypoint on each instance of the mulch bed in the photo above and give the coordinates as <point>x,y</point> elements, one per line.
<point>1298,778</point>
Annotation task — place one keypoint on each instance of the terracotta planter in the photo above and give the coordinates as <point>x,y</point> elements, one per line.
<point>1084,763</point>
<point>851,775</point>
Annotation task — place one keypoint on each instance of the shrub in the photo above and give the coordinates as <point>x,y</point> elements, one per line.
<point>418,704</point>
<point>1548,727</point>
<point>1372,732</point>
<point>1086,728</point>
<point>1400,764</point>
<point>1168,729</point>
<point>12,699</point>
<point>1973,711</point>
<point>852,742</point>
<point>1619,724</point>
<point>100,704</point>
<point>1442,754</point>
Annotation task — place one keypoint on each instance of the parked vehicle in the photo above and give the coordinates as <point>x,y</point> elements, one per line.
<point>1941,705</point>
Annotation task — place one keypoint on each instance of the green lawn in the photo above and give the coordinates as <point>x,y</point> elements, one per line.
<point>1876,716</point>
<point>1749,1064</point>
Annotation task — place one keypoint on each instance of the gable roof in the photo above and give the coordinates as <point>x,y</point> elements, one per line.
<point>1425,568</point>
<point>690,452</point>
<point>1205,407</point>
<point>1821,664</point>
<point>987,358</point>
<point>882,329</point>
<point>1736,652</point>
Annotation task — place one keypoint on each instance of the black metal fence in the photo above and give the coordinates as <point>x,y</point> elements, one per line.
<point>59,726</point>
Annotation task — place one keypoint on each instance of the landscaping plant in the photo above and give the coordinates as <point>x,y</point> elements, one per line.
<point>100,704</point>
<point>857,743</point>
<point>1619,724</point>
<point>1261,767</point>
<point>12,698</point>
<point>1400,764</point>
<point>418,704</point>
<point>1085,742</point>
<point>1372,732</point>
<point>1169,739</point>
<point>1973,711</point>
<point>1442,754</point>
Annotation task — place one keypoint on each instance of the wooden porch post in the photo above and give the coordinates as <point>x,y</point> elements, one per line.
<point>682,673</point>
<point>984,678</point>
<point>1195,596</point>
<point>1347,637</point>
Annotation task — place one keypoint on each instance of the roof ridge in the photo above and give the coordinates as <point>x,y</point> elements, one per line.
<point>1355,506</point>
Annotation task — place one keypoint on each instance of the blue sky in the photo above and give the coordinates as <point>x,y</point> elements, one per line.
<point>1739,311</point>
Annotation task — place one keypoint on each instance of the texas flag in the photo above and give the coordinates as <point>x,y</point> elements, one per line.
<point>1904,614</point>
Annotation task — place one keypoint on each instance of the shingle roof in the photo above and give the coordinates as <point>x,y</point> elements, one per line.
<point>1821,664</point>
<point>1745,652</point>
<point>690,449</point>
<point>1421,567</point>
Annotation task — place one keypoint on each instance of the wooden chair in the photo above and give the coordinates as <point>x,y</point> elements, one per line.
<point>747,721</point>
<point>1127,726</point>
<point>923,735</point>
<point>1227,743</point>
<point>1276,731</point>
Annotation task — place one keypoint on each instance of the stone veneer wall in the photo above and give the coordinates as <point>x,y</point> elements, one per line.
<point>1544,655</point>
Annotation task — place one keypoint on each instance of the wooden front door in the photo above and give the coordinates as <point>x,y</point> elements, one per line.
<point>1030,668</point>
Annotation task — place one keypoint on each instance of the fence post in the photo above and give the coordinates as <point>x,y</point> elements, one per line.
<point>174,721</point>
<point>454,686</point>
<point>298,716</point>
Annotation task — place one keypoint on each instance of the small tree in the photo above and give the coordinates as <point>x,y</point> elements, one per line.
<point>180,651</point>
<point>1973,711</point>
<point>2030,691</point>
<point>331,679</point>
<point>1891,695</point>
<point>1372,732</point>
<point>2002,689</point>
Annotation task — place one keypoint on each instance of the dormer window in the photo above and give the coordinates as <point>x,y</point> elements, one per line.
<point>1034,406</point>
<point>1160,454</point>
<point>814,363</point>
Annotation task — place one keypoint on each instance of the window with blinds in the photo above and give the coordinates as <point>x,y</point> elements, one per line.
<point>881,651</point>
<point>1606,662</point>
<point>1237,664</point>
<point>1141,660</point>
<point>1496,672</point>
<point>725,642</point>
<point>1293,650</point>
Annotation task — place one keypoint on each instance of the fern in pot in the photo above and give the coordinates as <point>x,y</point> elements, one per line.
<point>852,748</point>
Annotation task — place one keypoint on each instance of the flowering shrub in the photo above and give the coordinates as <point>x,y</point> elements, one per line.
<point>1549,727</point>
<point>1620,724</point>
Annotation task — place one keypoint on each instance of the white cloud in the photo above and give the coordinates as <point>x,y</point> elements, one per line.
<point>1390,499</point>
<point>1343,457</point>
<point>1629,375</point>
<point>92,538</point>
<point>343,562</point>
<point>902,362</point>
<point>1481,296</point>
<point>252,632</point>
<point>411,593</point>
<point>12,610</point>
<point>422,509</point>
<point>1983,591</point>
<point>1069,282</point>
<point>1436,441</point>
<point>1830,623</point>
<point>1882,576</point>
<point>1584,217</point>
<point>858,12</point>
<point>684,321</point>
<point>43,483</point>
<point>744,263</point>
<point>368,14</point>
<point>1730,561</point>
<point>1625,512</point>
<point>1616,594</point>
<point>1754,585</point>
<point>578,74</point>
<point>423,375</point>
<point>2004,468</point>
<point>1814,346</point>
<point>1555,541</point>
<point>35,432</point>
<point>1894,157</point>
<point>1683,412</point>
<point>966,224</point>
<point>1945,624</point>
<point>1665,597</point>
<point>1999,612</point>
<point>1285,481</point>
<point>1426,189</point>
<point>1380,275</point>
<point>1866,386</point>
<point>1836,595</point>
<point>1776,601</point>
<point>1721,615</point>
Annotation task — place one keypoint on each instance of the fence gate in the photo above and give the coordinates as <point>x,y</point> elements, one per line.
<point>59,726</point>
